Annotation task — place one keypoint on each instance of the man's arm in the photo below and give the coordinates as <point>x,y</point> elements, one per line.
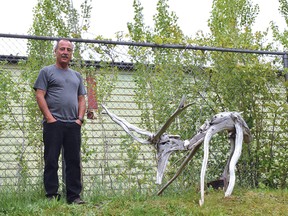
<point>40,98</point>
<point>81,107</point>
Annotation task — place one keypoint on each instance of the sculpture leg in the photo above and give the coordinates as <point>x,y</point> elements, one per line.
<point>234,159</point>
<point>204,164</point>
<point>225,173</point>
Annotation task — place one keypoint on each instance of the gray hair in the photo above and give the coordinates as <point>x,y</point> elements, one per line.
<point>57,44</point>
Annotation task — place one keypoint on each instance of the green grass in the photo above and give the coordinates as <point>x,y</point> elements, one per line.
<point>242,202</point>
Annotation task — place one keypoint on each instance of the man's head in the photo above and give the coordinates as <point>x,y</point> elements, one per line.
<point>63,52</point>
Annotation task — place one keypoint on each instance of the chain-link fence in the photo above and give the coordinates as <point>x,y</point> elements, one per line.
<point>143,83</point>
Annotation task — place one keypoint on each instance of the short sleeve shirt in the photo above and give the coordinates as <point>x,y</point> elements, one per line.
<point>62,90</point>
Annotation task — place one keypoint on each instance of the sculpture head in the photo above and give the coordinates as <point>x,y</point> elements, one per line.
<point>167,145</point>
<point>164,143</point>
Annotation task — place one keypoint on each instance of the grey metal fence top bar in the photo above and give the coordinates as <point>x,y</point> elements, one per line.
<point>174,46</point>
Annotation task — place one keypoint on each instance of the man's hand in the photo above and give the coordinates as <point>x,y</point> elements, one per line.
<point>51,120</point>
<point>78,122</point>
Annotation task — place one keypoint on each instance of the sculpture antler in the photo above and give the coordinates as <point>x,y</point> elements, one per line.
<point>180,109</point>
<point>129,127</point>
<point>152,139</point>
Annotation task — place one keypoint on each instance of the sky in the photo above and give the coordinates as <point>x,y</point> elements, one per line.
<point>111,16</point>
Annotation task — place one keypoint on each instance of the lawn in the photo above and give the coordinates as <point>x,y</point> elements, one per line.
<point>242,202</point>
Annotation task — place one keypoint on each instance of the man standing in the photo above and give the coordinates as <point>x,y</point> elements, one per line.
<point>60,95</point>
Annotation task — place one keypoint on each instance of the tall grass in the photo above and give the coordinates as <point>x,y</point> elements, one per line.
<point>31,201</point>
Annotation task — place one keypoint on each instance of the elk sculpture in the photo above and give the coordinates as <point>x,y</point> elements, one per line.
<point>166,144</point>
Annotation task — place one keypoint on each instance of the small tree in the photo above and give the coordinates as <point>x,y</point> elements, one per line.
<point>244,82</point>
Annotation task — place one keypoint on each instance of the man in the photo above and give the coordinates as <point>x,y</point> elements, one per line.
<point>60,95</point>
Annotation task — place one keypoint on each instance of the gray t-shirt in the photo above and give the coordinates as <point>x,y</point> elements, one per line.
<point>62,90</point>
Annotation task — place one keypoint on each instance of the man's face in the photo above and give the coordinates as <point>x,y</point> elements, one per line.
<point>64,52</point>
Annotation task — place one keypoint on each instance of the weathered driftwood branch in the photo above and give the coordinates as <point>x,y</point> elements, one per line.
<point>165,144</point>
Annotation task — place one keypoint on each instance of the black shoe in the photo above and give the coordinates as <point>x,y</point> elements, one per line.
<point>77,201</point>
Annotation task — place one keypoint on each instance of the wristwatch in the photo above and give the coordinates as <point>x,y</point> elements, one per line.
<point>81,119</point>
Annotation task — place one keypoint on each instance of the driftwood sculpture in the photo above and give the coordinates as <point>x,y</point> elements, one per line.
<point>165,144</point>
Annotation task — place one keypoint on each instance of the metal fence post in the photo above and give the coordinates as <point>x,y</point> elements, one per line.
<point>285,60</point>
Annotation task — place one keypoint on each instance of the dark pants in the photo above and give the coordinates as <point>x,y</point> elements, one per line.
<point>55,136</point>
